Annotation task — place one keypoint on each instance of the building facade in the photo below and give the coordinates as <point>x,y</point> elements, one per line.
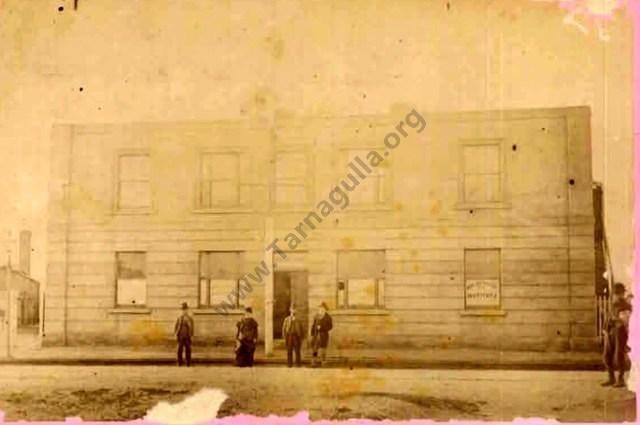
<point>466,229</point>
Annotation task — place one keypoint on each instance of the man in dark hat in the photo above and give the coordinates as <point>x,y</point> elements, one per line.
<point>616,336</point>
<point>183,331</point>
<point>322,324</point>
<point>292,333</point>
<point>246,339</point>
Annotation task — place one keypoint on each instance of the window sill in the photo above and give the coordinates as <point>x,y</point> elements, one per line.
<point>364,208</point>
<point>222,210</point>
<point>210,312</point>
<point>482,205</point>
<point>483,313</point>
<point>360,312</point>
<point>293,209</point>
<point>142,211</point>
<point>130,310</point>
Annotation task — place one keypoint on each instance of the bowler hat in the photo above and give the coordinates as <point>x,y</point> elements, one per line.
<point>185,306</point>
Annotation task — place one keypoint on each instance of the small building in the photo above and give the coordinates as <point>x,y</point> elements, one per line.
<point>24,288</point>
<point>472,229</point>
<point>26,291</point>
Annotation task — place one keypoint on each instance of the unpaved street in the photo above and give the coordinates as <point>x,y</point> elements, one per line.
<point>127,392</point>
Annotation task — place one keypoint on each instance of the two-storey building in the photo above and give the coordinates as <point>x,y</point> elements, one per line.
<point>476,230</point>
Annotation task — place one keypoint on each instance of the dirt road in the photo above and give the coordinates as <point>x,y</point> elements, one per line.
<point>127,392</point>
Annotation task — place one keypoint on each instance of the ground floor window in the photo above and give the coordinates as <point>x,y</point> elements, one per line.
<point>360,282</point>
<point>482,278</point>
<point>219,278</point>
<point>131,279</point>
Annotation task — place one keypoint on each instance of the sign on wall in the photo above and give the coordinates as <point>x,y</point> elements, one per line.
<point>482,293</point>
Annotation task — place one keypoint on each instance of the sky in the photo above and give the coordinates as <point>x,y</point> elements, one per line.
<point>113,61</point>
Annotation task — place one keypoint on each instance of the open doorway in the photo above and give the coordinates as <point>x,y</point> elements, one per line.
<point>289,288</point>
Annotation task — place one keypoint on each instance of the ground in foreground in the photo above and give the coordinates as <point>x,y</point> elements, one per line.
<point>128,392</point>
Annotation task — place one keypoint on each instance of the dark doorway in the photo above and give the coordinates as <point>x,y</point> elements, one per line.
<point>281,302</point>
<point>289,288</point>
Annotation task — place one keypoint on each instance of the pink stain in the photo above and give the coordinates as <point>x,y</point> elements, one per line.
<point>634,10</point>
<point>585,14</point>
<point>597,9</point>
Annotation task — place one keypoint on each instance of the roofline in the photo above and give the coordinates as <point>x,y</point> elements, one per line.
<point>286,117</point>
<point>21,273</point>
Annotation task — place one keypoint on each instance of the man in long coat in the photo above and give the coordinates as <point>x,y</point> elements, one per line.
<point>322,324</point>
<point>183,330</point>
<point>292,333</point>
<point>616,336</point>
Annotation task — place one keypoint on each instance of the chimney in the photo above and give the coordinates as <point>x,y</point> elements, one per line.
<point>25,251</point>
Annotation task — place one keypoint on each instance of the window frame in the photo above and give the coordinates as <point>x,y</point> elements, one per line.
<point>308,181</point>
<point>117,183</point>
<point>116,280</point>
<point>208,304</point>
<point>477,308</point>
<point>501,202</point>
<point>380,282</point>
<point>378,305</point>
<point>217,206</point>
<point>346,155</point>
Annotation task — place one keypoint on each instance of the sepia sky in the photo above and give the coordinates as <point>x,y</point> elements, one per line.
<point>114,61</point>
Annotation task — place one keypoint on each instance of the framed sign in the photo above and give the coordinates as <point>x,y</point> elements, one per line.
<point>482,293</point>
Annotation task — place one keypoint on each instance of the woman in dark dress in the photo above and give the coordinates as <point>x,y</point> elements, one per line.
<point>246,339</point>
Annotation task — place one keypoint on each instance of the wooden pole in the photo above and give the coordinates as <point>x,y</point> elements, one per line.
<point>268,290</point>
<point>8,308</point>
<point>268,239</point>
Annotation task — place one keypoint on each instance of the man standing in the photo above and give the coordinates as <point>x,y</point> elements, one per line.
<point>183,331</point>
<point>616,335</point>
<point>292,334</point>
<point>246,339</point>
<point>322,324</point>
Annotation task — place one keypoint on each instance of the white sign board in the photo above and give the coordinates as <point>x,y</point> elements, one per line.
<point>482,293</point>
<point>132,292</point>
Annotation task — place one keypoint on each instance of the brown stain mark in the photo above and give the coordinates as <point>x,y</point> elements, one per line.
<point>413,253</point>
<point>436,208</point>
<point>340,380</point>
<point>390,322</point>
<point>398,206</point>
<point>343,381</point>
<point>347,243</point>
<point>442,231</point>
<point>403,235</point>
<point>143,332</point>
<point>276,46</point>
<point>260,101</point>
<point>284,114</point>
<point>417,268</point>
<point>82,201</point>
<point>371,291</point>
<point>446,342</point>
